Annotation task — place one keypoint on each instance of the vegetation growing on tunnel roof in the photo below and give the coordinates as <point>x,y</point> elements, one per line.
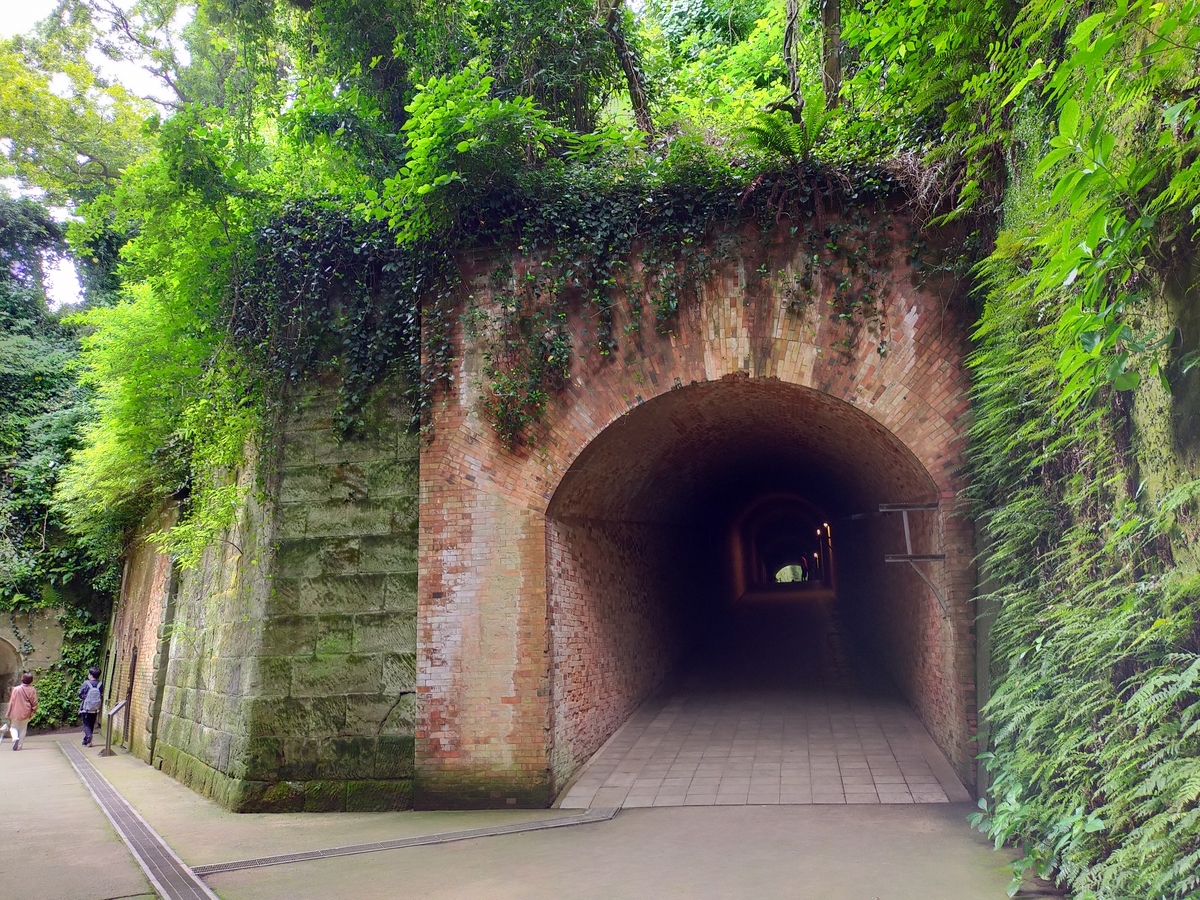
<point>254,206</point>
<point>1069,131</point>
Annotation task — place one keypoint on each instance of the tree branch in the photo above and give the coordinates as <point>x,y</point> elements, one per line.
<point>630,65</point>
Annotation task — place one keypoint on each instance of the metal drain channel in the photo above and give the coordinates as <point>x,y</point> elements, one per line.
<point>174,880</point>
<point>588,818</point>
<point>171,878</point>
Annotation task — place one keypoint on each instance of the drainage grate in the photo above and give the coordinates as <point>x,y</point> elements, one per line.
<point>175,881</point>
<point>171,878</point>
<point>448,837</point>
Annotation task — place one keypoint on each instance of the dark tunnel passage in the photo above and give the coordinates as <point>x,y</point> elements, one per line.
<point>729,533</point>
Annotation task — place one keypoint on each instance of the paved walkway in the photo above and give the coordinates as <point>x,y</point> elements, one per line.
<point>68,850</point>
<point>702,748</point>
<point>782,711</point>
<point>55,843</point>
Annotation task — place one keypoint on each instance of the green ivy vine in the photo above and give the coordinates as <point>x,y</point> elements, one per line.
<point>654,239</point>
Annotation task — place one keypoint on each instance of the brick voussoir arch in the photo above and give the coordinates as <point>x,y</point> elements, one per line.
<point>486,630</point>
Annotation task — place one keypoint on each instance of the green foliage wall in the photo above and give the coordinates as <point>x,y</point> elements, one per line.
<point>42,565</point>
<point>1095,760</point>
<point>1086,498</point>
<point>239,235</point>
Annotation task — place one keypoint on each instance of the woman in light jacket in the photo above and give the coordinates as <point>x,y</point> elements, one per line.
<point>22,704</point>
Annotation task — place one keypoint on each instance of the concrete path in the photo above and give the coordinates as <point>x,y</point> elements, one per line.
<point>171,878</point>
<point>55,843</point>
<point>203,833</point>
<point>712,853</point>
<point>914,852</point>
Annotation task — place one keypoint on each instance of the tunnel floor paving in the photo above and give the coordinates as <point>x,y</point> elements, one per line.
<point>792,714</point>
<point>705,748</point>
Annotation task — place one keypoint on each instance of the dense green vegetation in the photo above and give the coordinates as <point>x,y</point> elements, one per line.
<point>301,150</point>
<point>43,565</point>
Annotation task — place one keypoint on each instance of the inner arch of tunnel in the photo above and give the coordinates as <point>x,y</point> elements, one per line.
<point>779,532</point>
<point>686,507</point>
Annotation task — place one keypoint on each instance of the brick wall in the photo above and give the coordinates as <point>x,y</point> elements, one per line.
<point>628,439</point>
<point>615,628</point>
<point>133,645</point>
<point>927,650</point>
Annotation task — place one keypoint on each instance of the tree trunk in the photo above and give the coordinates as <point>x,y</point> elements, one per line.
<point>831,50</point>
<point>789,57</point>
<point>631,66</point>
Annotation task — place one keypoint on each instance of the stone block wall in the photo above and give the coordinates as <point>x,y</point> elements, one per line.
<point>29,641</point>
<point>335,708</point>
<point>211,660</point>
<point>290,680</point>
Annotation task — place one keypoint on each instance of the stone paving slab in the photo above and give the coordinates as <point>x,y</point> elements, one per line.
<point>805,745</point>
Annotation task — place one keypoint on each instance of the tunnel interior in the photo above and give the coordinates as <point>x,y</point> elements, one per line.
<point>728,531</point>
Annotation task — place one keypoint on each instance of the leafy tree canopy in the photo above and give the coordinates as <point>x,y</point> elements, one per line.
<point>299,149</point>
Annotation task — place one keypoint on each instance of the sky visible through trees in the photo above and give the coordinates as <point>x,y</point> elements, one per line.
<point>214,171</point>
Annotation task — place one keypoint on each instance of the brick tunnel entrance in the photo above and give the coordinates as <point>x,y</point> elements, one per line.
<point>720,550</point>
<point>564,578</point>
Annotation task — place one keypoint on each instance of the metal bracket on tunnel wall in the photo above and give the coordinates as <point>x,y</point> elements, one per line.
<point>908,556</point>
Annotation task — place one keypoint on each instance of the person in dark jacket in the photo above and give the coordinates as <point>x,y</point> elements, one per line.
<point>91,698</point>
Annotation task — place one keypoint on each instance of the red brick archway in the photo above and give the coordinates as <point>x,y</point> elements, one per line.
<point>638,542</point>
<point>516,685</point>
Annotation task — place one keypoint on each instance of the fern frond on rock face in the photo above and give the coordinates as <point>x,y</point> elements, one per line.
<point>773,134</point>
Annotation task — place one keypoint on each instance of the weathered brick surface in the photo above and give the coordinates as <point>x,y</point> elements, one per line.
<point>133,662</point>
<point>520,601</point>
<point>614,638</point>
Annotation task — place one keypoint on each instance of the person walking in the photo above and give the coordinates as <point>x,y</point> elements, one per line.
<point>22,704</point>
<point>91,698</point>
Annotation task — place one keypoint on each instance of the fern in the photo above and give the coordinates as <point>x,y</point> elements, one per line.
<point>774,134</point>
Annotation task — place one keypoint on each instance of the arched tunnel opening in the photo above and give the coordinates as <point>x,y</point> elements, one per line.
<point>727,536</point>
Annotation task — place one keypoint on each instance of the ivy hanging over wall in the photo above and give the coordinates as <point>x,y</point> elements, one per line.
<point>323,290</point>
<point>655,246</point>
<point>653,234</point>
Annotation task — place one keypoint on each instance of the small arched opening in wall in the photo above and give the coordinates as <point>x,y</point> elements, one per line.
<point>10,668</point>
<point>780,542</point>
<point>665,540</point>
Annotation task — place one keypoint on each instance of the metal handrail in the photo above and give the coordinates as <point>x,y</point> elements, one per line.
<point>108,750</point>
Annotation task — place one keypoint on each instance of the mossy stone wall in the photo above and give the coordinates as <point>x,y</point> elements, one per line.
<point>291,673</point>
